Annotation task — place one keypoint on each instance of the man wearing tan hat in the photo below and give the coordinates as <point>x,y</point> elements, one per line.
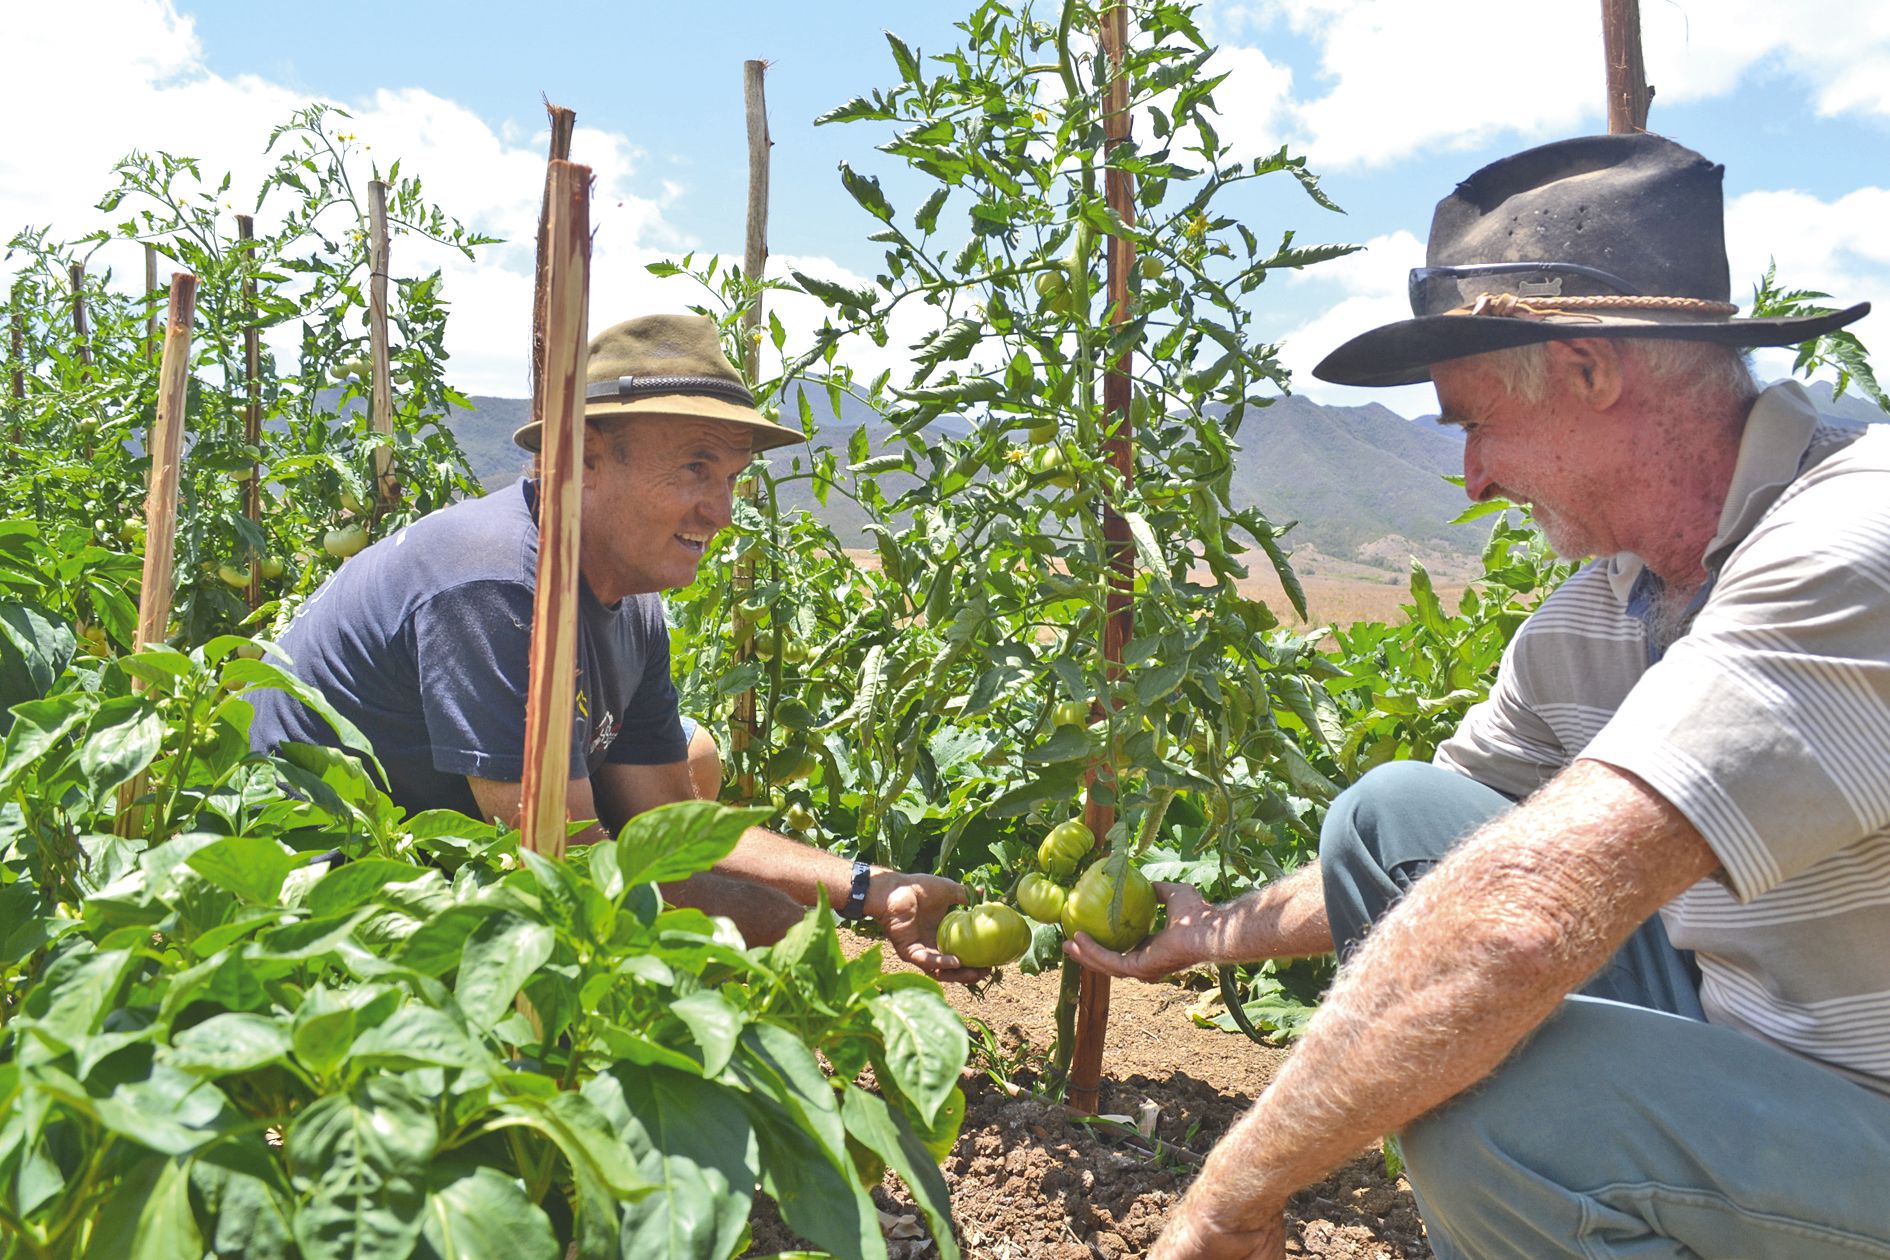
<point>1616,967</point>
<point>422,640</point>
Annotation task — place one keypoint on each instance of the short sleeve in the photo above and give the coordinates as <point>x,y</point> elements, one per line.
<point>1768,724</point>
<point>473,645</point>
<point>651,734</point>
<point>1502,742</point>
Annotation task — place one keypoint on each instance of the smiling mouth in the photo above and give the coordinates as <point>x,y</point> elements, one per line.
<point>695,543</point>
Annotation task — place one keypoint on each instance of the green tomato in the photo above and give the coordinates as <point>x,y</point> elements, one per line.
<point>1069,713</point>
<point>987,935</point>
<point>1066,844</point>
<point>1043,434</point>
<point>1118,922</point>
<point>1041,897</point>
<point>237,579</point>
<point>797,817</point>
<point>1151,268</point>
<point>1050,463</point>
<point>791,764</point>
<point>794,652</point>
<point>271,568</point>
<point>352,502</point>
<point>344,542</point>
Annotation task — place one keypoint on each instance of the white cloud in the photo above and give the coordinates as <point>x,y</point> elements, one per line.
<point>1367,289</point>
<point>1398,79</point>
<point>147,87</point>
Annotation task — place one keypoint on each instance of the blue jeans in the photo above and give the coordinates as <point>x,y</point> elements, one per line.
<point>1626,1126</point>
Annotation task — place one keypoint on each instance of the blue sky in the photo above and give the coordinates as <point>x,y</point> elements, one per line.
<point>1391,102</point>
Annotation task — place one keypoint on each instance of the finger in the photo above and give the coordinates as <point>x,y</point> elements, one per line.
<point>943,966</point>
<point>1084,949</point>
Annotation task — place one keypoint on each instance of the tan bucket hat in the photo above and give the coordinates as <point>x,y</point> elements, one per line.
<point>668,366</point>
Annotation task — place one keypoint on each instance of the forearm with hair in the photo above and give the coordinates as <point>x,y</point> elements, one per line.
<point>1478,954</point>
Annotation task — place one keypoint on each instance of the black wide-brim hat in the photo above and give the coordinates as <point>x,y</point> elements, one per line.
<point>1601,236</point>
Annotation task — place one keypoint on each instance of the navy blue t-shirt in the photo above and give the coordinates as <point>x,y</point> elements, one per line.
<point>423,642</point>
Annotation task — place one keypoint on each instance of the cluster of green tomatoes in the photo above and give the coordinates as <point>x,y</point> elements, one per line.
<point>1111,900</point>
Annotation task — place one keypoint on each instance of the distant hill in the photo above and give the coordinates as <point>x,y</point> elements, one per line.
<point>1365,485</point>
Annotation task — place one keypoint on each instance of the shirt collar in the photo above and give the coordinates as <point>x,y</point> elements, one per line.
<point>1778,430</point>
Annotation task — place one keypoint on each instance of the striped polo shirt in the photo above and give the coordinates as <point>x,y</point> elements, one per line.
<point>1767,723</point>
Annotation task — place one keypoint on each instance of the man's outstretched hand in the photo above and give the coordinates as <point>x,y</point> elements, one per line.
<point>1187,941</point>
<point>909,907</point>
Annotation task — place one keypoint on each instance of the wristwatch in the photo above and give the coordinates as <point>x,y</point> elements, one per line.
<point>853,909</point>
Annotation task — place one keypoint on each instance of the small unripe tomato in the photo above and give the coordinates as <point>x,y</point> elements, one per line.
<point>789,765</point>
<point>1093,905</point>
<point>797,817</point>
<point>1043,434</point>
<point>1040,897</point>
<point>794,652</point>
<point>987,935</point>
<point>1070,713</point>
<point>233,577</point>
<point>1064,846</point>
<point>344,542</point>
<point>271,568</point>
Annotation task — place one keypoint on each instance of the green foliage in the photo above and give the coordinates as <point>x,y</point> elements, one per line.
<point>928,676</point>
<point>1840,351</point>
<point>439,1045</point>
<point>82,474</point>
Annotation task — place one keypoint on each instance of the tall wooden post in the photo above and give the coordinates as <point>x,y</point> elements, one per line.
<point>158,589</point>
<point>381,393</point>
<point>743,729</point>
<point>252,404</point>
<point>549,696</point>
<point>1628,93</point>
<point>563,123</point>
<point>1092,1011</point>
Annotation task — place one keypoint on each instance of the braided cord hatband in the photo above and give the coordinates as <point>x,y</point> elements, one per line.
<point>1511,305</point>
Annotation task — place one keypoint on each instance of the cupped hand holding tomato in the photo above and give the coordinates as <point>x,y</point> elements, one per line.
<point>910,908</point>
<point>1188,940</point>
<point>1113,902</point>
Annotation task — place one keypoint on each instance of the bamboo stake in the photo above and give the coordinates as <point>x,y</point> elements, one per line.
<point>381,394</point>
<point>1628,93</point>
<point>549,698</point>
<point>166,446</point>
<point>152,342</point>
<point>563,123</point>
<point>252,406</point>
<point>743,730</point>
<point>1092,1010</point>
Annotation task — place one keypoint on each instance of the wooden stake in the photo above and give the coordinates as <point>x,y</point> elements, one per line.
<point>152,342</point>
<point>252,406</point>
<point>1092,1011</point>
<point>743,729</point>
<point>80,329</point>
<point>1628,93</point>
<point>381,394</point>
<point>549,697</point>
<point>166,446</point>
<point>563,123</point>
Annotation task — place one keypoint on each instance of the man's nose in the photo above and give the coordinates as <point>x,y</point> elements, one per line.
<point>1477,483</point>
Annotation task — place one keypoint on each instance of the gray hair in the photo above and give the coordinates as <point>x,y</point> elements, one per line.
<point>1691,369</point>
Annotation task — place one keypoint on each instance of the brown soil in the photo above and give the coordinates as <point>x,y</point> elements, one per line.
<point>1029,1180</point>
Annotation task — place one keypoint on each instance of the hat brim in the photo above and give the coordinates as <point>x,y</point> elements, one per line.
<point>763,433</point>
<point>1402,353</point>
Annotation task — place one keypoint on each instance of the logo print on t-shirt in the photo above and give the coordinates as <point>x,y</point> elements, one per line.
<point>607,725</point>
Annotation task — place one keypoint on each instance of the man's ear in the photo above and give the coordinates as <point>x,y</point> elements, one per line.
<point>1589,369</point>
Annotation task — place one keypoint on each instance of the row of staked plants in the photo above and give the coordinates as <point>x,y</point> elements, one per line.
<point>258,1009</point>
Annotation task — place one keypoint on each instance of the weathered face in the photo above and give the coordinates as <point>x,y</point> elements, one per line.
<point>1556,456</point>
<point>655,492</point>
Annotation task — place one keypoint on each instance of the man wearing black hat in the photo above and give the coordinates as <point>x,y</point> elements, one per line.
<point>422,640</point>
<point>1617,966</point>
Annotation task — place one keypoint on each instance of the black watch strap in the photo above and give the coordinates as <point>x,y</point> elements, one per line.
<point>854,908</point>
